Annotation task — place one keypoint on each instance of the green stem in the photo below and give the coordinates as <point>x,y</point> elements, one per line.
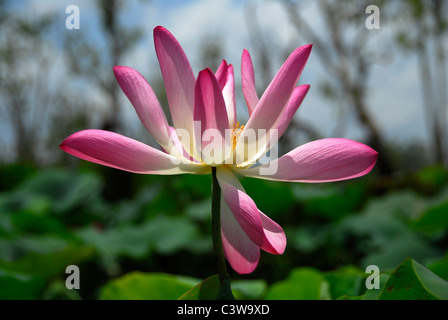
<point>225,292</point>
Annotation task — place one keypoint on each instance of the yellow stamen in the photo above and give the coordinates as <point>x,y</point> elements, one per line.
<point>236,133</point>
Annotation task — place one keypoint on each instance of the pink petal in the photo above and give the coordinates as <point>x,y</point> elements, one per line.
<point>322,160</point>
<point>241,205</point>
<point>241,253</point>
<point>145,102</point>
<point>296,99</point>
<point>272,105</point>
<point>226,81</point>
<point>178,77</point>
<point>120,152</point>
<point>248,81</point>
<point>282,124</point>
<point>180,150</point>
<point>274,236</point>
<point>228,93</point>
<point>278,93</point>
<point>221,74</point>
<point>210,111</point>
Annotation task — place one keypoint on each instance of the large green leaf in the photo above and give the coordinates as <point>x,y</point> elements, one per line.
<point>440,267</point>
<point>373,294</point>
<point>241,289</point>
<point>346,281</point>
<point>249,289</point>
<point>302,284</point>
<point>434,219</point>
<point>16,285</point>
<point>147,286</point>
<point>57,290</point>
<point>412,281</point>
<point>205,290</point>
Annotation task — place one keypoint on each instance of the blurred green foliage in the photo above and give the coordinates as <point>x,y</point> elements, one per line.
<point>148,237</point>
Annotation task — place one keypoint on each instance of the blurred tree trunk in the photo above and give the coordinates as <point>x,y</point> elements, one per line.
<point>345,62</point>
<point>92,62</point>
<point>423,32</point>
<point>39,109</point>
<point>439,12</point>
<point>263,55</point>
<point>24,96</point>
<point>109,10</point>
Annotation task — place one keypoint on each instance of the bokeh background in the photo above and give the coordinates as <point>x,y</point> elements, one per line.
<point>384,87</point>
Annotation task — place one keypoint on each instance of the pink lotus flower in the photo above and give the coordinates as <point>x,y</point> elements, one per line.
<point>210,101</point>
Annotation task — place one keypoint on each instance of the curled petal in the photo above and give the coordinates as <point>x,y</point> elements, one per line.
<point>241,253</point>
<point>274,237</point>
<point>324,160</point>
<point>241,205</point>
<point>120,152</point>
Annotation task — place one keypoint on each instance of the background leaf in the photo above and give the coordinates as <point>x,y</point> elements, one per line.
<point>301,284</point>
<point>412,281</point>
<point>147,286</point>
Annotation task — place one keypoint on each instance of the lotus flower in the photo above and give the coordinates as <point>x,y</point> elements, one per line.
<point>209,100</point>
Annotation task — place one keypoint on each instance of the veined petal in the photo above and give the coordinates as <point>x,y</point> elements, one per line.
<point>241,253</point>
<point>283,122</point>
<point>248,82</point>
<point>145,102</point>
<point>179,80</point>
<point>279,91</point>
<point>120,152</point>
<point>241,205</point>
<point>211,113</point>
<point>270,108</point>
<point>294,102</point>
<point>324,160</point>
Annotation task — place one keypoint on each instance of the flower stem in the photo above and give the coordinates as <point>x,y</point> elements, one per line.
<point>225,291</point>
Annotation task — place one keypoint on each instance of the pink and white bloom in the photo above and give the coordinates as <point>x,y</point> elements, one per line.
<point>209,100</point>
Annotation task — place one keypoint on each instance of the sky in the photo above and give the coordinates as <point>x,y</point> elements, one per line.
<point>394,88</point>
